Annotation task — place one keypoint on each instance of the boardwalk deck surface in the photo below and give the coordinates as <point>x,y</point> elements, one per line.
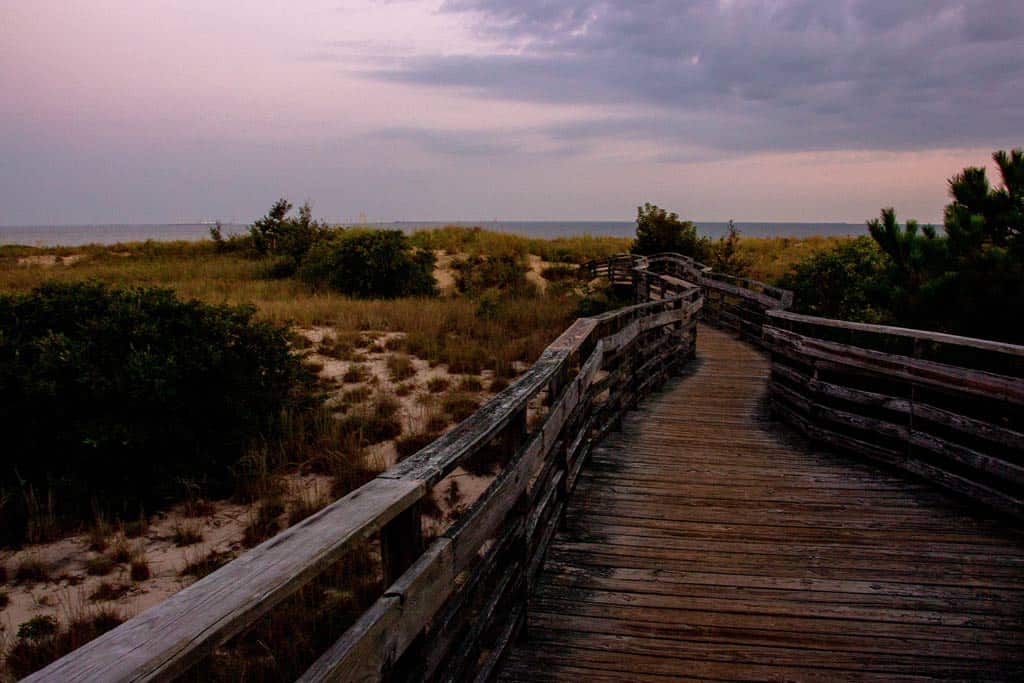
<point>704,541</point>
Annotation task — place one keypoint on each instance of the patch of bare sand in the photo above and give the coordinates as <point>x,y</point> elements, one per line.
<point>68,592</point>
<point>417,407</point>
<point>50,260</point>
<point>537,266</point>
<point>443,270</point>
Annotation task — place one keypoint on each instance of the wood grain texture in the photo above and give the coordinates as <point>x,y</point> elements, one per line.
<point>705,541</point>
<point>168,638</point>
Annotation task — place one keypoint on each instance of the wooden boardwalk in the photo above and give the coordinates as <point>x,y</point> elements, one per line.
<point>704,541</point>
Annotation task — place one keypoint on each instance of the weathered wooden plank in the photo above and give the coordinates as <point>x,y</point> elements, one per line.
<point>924,372</point>
<point>886,330</point>
<point>373,644</point>
<point>967,425</point>
<point>171,636</point>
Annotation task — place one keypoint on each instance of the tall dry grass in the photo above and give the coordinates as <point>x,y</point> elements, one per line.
<point>772,257</point>
<point>575,249</point>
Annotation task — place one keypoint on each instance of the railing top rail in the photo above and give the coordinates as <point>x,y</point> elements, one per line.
<point>905,332</point>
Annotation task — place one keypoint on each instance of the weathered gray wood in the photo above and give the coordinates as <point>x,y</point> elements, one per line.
<point>701,542</point>
<point>940,337</point>
<point>168,638</point>
<point>373,644</point>
<point>827,411</point>
<point>966,425</point>
<point>924,372</point>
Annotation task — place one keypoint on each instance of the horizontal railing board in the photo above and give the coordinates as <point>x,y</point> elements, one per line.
<point>392,622</point>
<point>910,333</point>
<point>169,637</point>
<point>855,408</point>
<point>931,373</point>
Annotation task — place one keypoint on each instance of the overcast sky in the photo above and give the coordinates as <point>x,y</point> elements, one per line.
<point>790,110</point>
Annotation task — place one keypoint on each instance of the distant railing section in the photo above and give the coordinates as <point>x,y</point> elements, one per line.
<point>734,303</point>
<point>449,606</point>
<point>947,408</point>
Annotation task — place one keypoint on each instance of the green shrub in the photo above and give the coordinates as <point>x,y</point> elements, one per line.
<point>370,263</point>
<point>436,385</point>
<point>31,571</point>
<point>42,643</point>
<point>38,627</point>
<point>851,281</point>
<point>101,565</point>
<point>355,373</point>
<point>140,569</point>
<point>372,421</point>
<point>411,443</point>
<point>659,231</point>
<point>459,406</point>
<point>113,397</point>
<point>264,524</point>
<point>400,367</point>
<point>505,273</point>
<point>601,298</point>
<point>282,235</point>
<point>725,255</point>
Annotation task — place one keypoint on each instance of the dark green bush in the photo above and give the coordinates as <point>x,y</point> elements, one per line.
<point>506,273</point>
<point>280,234</point>
<point>659,231</point>
<point>112,398</point>
<point>370,263</point>
<point>850,282</point>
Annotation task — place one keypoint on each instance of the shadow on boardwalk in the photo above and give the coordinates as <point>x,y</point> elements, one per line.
<point>705,541</point>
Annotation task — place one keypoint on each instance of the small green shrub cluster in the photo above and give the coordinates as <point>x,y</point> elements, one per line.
<point>280,234</point>
<point>370,263</point>
<point>658,231</point>
<point>41,640</point>
<point>505,273</point>
<point>848,282</point>
<point>358,262</point>
<point>725,255</point>
<point>111,398</point>
<point>560,272</point>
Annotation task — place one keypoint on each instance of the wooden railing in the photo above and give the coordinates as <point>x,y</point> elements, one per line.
<point>449,605</point>
<point>735,303</point>
<point>947,408</point>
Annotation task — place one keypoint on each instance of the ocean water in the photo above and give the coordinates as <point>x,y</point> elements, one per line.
<point>74,235</point>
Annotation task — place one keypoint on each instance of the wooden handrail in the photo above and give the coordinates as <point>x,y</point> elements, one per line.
<point>949,409</point>
<point>596,370</point>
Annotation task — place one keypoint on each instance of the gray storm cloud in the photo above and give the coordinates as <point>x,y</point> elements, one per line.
<point>745,77</point>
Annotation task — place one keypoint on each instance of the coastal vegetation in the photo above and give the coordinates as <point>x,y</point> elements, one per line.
<point>107,400</point>
<point>968,280</point>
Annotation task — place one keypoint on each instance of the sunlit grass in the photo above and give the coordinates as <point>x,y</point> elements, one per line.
<point>771,257</point>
